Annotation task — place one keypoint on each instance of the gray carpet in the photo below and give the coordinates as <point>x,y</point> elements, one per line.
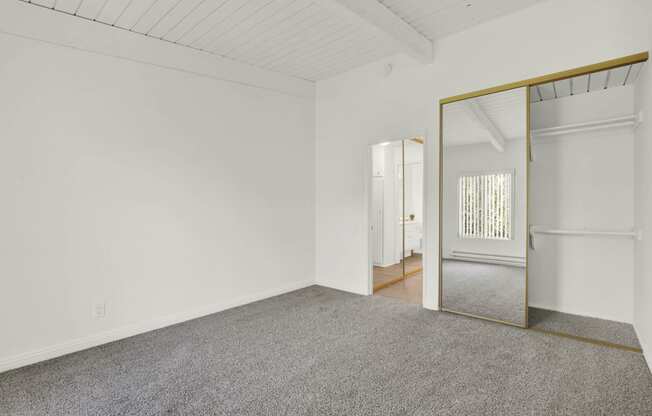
<point>319,351</point>
<point>489,290</point>
<point>582,326</point>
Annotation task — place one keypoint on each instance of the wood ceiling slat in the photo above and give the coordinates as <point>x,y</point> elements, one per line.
<point>175,17</point>
<point>45,3</point>
<point>239,17</point>
<point>91,8</point>
<point>217,17</point>
<point>534,95</point>
<point>339,66</point>
<point>563,88</point>
<point>295,10</point>
<point>580,85</point>
<point>268,34</point>
<point>412,10</point>
<point>111,11</point>
<point>426,14</point>
<point>438,18</point>
<point>282,36</point>
<point>197,15</point>
<point>547,91</point>
<point>598,80</point>
<point>618,76</point>
<point>338,57</point>
<point>325,64</point>
<point>636,70</point>
<point>265,17</point>
<point>68,6</point>
<point>315,43</point>
<point>133,11</point>
<point>334,45</point>
<point>158,10</point>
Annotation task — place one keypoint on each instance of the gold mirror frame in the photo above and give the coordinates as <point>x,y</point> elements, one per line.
<point>584,70</point>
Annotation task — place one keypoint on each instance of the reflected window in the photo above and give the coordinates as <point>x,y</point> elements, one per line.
<point>485,206</point>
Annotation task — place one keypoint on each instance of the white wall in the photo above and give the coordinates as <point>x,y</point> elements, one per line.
<point>165,194</point>
<point>483,158</point>
<point>364,106</point>
<point>643,206</point>
<point>583,181</point>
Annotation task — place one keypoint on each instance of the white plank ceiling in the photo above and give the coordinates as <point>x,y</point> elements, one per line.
<point>438,18</point>
<point>613,78</point>
<point>306,39</point>
<point>506,111</point>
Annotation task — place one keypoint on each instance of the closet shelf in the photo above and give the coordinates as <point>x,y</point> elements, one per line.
<point>534,229</point>
<point>625,121</point>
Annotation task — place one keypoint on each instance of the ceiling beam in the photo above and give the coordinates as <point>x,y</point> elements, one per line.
<point>477,113</point>
<point>377,15</point>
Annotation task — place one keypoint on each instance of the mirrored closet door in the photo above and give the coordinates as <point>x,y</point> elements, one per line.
<point>397,219</point>
<point>484,142</point>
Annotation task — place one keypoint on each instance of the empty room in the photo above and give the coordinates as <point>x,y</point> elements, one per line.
<point>332,207</point>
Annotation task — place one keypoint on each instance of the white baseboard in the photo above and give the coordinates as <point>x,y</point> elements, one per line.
<point>646,355</point>
<point>78,344</point>
<point>579,312</point>
<point>646,352</point>
<point>342,288</point>
<point>430,306</point>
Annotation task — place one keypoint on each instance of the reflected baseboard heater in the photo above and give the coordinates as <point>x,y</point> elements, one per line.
<point>487,258</point>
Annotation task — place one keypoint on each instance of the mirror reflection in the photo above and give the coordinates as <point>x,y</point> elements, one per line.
<point>397,219</point>
<point>484,193</point>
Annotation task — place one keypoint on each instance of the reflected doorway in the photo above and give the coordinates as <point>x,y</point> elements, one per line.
<point>397,219</point>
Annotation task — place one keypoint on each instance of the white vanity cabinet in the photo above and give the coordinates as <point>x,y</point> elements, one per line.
<point>413,237</point>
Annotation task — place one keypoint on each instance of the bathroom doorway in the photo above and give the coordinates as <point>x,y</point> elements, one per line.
<point>396,223</point>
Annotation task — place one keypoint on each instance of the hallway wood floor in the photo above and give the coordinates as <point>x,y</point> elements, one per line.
<point>386,276</point>
<point>389,282</point>
<point>409,290</point>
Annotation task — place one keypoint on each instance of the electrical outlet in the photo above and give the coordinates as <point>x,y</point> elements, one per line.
<point>99,310</point>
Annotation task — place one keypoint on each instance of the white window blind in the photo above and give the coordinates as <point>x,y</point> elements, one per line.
<point>485,206</point>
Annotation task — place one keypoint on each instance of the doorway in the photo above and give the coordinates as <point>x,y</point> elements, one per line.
<point>396,223</point>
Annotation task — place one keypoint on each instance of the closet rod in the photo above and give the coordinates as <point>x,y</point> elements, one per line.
<point>631,120</point>
<point>554,231</point>
<point>634,234</point>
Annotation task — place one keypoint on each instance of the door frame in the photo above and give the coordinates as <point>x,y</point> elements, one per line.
<point>368,166</point>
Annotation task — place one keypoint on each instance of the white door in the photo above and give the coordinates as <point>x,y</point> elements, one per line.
<point>377,220</point>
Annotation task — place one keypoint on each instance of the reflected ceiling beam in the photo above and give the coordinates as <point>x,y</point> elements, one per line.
<point>372,12</point>
<point>477,113</point>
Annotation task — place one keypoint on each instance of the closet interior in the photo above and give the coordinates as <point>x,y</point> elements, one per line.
<point>582,231</point>
<point>538,200</point>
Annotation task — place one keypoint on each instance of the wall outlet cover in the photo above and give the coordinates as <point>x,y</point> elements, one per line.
<point>99,310</point>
